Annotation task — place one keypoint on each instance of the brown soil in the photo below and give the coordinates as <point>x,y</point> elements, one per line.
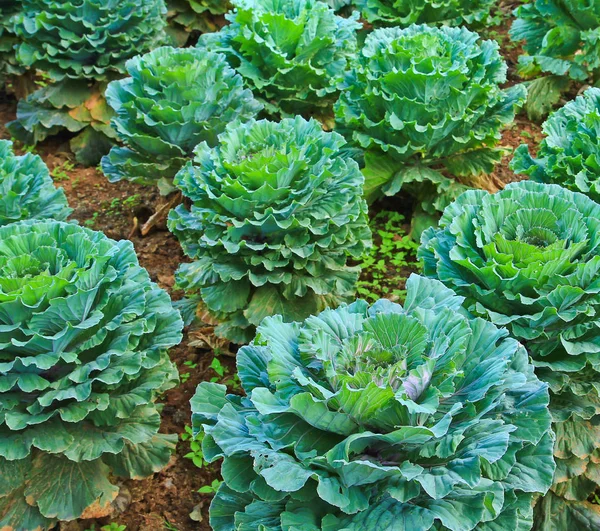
<point>166,500</point>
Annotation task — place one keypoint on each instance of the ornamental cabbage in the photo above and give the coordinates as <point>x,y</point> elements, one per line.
<point>187,17</point>
<point>276,213</point>
<point>379,418</point>
<point>528,258</point>
<point>425,104</point>
<point>560,37</point>
<point>291,53</point>
<point>27,190</point>
<point>89,39</point>
<point>406,12</point>
<point>8,40</point>
<point>570,153</point>
<point>84,335</point>
<point>80,46</point>
<point>174,99</point>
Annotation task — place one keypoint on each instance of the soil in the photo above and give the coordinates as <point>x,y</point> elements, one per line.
<point>166,500</point>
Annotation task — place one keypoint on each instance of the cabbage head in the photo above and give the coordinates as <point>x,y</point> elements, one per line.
<point>27,190</point>
<point>570,153</point>
<point>80,46</point>
<point>560,37</point>
<point>379,418</point>
<point>406,12</point>
<point>276,213</point>
<point>88,39</point>
<point>425,105</point>
<point>291,53</point>
<point>173,100</point>
<point>528,258</point>
<point>84,335</point>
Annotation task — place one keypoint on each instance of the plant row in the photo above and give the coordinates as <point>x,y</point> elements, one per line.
<point>473,406</point>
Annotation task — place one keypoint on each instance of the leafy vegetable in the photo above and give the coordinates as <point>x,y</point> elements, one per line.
<point>174,99</point>
<point>8,40</point>
<point>406,12</point>
<point>291,53</point>
<point>83,355</point>
<point>570,153</point>
<point>27,190</point>
<point>276,213</point>
<point>560,37</point>
<point>377,419</point>
<point>80,46</point>
<point>426,106</point>
<point>186,17</point>
<point>527,258</point>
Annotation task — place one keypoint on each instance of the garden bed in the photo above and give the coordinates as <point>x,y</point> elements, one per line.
<point>166,500</point>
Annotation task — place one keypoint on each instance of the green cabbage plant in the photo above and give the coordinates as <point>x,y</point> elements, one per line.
<point>406,12</point>
<point>379,418</point>
<point>425,105</point>
<point>8,40</point>
<point>79,47</point>
<point>27,190</point>
<point>188,17</point>
<point>174,99</point>
<point>528,258</point>
<point>570,153</point>
<point>291,53</point>
<point>561,39</point>
<point>276,212</point>
<point>84,335</point>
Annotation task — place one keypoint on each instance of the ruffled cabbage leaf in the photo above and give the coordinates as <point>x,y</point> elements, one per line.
<point>528,259</point>
<point>426,107</point>
<point>27,190</point>
<point>406,12</point>
<point>84,335</point>
<point>377,419</point>
<point>561,40</point>
<point>569,154</point>
<point>173,100</point>
<point>79,47</point>
<point>276,213</point>
<point>291,53</point>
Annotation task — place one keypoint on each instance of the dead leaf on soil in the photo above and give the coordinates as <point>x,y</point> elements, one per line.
<point>98,509</point>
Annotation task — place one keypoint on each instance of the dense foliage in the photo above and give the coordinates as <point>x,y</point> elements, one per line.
<point>291,53</point>
<point>89,39</point>
<point>560,37</point>
<point>8,39</point>
<point>187,17</point>
<point>174,99</point>
<point>276,213</point>
<point>569,155</point>
<point>406,12</point>
<point>80,46</point>
<point>425,103</point>
<point>377,419</point>
<point>27,190</point>
<point>528,258</point>
<point>83,355</point>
